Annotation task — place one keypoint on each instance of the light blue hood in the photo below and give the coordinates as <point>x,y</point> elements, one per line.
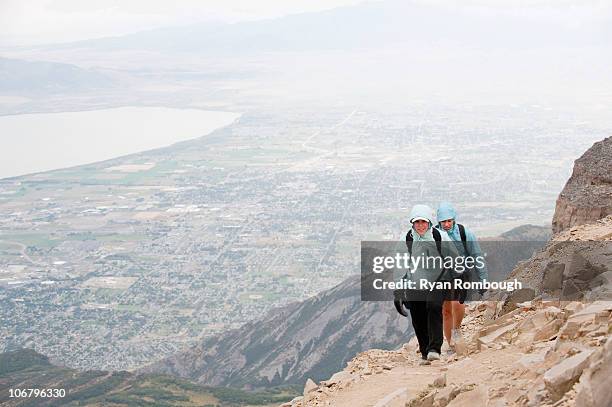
<point>471,248</point>
<point>422,211</point>
<point>425,247</point>
<point>446,211</point>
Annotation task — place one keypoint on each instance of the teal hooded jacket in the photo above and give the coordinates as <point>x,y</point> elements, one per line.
<point>425,246</point>
<point>447,211</point>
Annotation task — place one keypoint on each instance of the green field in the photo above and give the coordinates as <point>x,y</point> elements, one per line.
<point>26,368</point>
<point>40,240</point>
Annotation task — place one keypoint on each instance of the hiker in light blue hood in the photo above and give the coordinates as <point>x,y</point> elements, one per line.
<point>447,221</point>
<point>467,245</point>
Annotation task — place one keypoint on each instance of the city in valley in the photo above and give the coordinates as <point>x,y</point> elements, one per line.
<point>116,264</point>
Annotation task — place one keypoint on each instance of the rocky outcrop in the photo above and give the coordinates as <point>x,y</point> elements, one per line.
<point>587,195</point>
<point>575,265</point>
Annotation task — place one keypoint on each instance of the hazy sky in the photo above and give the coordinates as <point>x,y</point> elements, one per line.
<point>26,22</point>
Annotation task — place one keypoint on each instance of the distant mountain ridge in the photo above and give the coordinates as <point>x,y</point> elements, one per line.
<point>32,77</point>
<point>527,233</point>
<point>369,24</point>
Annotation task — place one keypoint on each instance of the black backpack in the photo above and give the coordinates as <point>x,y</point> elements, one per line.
<point>463,237</point>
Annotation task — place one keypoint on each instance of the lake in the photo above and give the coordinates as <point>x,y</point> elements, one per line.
<point>46,141</point>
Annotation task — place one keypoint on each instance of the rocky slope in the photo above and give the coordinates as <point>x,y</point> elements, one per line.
<point>312,338</point>
<point>587,196</point>
<point>547,344</point>
<point>530,348</point>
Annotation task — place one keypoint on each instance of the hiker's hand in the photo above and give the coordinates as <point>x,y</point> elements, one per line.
<point>399,306</point>
<point>398,301</point>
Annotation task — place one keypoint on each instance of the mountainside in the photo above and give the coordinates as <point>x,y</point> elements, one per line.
<point>542,353</point>
<point>26,369</point>
<point>538,346</point>
<point>316,337</point>
<point>546,344</point>
<point>587,196</point>
<point>307,339</point>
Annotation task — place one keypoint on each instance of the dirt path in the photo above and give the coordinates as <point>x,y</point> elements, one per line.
<point>377,390</point>
<point>492,369</point>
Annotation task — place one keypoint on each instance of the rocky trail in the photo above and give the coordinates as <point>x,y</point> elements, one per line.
<point>518,360</point>
<point>538,352</point>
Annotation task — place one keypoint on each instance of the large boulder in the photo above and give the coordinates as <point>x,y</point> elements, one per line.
<point>587,195</point>
<point>593,390</point>
<point>309,386</point>
<point>552,278</point>
<point>476,397</point>
<point>560,378</point>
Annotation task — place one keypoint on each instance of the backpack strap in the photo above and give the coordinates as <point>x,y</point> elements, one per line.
<point>436,235</point>
<point>409,240</point>
<point>438,238</point>
<point>463,237</point>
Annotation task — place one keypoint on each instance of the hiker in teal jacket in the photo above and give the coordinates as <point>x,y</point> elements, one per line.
<point>426,306</point>
<point>467,245</point>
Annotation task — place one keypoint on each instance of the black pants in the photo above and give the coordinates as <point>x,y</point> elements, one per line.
<point>427,322</point>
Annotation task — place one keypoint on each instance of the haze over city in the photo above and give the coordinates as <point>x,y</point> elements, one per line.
<point>172,171</point>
